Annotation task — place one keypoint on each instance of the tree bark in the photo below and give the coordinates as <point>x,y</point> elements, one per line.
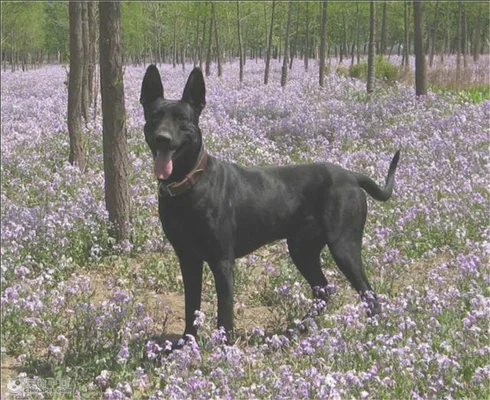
<point>240,45</point>
<point>406,44</point>
<point>203,39</point>
<point>434,36</point>
<point>85,63</point>
<point>355,42</point>
<point>269,46</point>
<point>420,73</point>
<point>116,163</point>
<point>323,43</point>
<point>174,47</point>
<point>208,53</point>
<point>92,33</point>
<point>266,31</point>
<point>343,45</point>
<point>76,156</point>
<point>218,49</point>
<point>459,44</point>
<point>382,47</point>
<point>371,73</point>
<point>196,45</point>
<point>307,39</point>
<point>477,36</point>
<point>285,60</point>
<point>465,39</point>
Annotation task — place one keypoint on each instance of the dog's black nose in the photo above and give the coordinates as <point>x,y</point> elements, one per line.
<point>163,139</point>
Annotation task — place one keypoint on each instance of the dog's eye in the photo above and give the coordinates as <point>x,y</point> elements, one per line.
<point>156,116</point>
<point>180,117</point>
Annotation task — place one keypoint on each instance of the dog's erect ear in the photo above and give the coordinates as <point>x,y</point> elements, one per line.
<point>195,90</point>
<point>152,87</point>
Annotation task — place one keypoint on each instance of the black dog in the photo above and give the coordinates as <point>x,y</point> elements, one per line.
<point>216,211</point>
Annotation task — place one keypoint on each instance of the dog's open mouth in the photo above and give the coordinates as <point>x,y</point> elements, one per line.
<point>164,162</point>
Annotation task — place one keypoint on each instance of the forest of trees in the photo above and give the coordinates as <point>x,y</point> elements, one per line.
<point>203,32</point>
<point>109,34</point>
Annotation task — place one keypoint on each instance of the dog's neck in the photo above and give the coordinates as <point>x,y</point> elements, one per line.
<point>187,163</point>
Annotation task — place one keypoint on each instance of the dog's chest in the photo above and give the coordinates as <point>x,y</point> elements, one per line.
<point>191,230</point>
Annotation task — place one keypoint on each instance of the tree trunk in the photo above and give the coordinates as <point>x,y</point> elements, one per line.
<point>406,44</point>
<point>203,39</point>
<point>434,36</point>
<point>323,43</point>
<point>196,45</point>
<point>294,44</point>
<point>477,36</point>
<point>76,156</point>
<point>445,41</point>
<point>307,39</point>
<point>420,74</point>
<point>92,33</point>
<point>459,44</point>
<point>382,47</point>
<point>269,45</point>
<point>86,62</point>
<point>343,45</point>
<point>371,73</point>
<point>465,39</point>
<point>116,162</point>
<point>355,42</point>
<point>218,49</point>
<point>210,42</point>
<point>285,60</point>
<point>266,31</point>
<point>174,49</point>
<point>240,45</point>
<point>358,39</point>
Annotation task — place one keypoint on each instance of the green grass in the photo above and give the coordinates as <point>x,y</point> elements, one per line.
<point>471,94</point>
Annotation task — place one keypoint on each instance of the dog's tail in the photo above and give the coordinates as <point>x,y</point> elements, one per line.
<point>373,189</point>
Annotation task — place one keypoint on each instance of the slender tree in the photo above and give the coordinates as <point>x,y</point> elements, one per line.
<point>210,43</point>
<point>240,45</point>
<point>477,35</point>
<point>434,35</point>
<point>406,38</point>
<point>116,162</point>
<point>86,62</point>
<point>285,60</point>
<point>294,44</point>
<point>218,49</point>
<point>459,42</point>
<point>384,30</point>
<point>420,73</point>
<point>269,45</point>
<point>464,39</point>
<point>76,156</point>
<point>355,42</point>
<point>92,33</point>
<point>323,43</point>
<point>371,52</point>
<point>307,38</point>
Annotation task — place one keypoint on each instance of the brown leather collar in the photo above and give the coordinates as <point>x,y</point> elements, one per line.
<point>177,188</point>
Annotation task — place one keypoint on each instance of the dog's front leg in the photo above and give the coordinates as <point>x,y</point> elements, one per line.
<point>192,275</point>
<point>224,280</point>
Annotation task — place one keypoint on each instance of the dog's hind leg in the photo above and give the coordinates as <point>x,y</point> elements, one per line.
<point>347,255</point>
<point>345,227</point>
<point>305,253</point>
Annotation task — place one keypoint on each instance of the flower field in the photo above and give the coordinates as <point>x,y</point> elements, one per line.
<point>77,308</point>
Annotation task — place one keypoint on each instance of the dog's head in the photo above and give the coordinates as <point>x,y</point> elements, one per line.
<point>171,128</point>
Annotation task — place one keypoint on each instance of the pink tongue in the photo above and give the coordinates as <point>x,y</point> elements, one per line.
<point>163,165</point>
